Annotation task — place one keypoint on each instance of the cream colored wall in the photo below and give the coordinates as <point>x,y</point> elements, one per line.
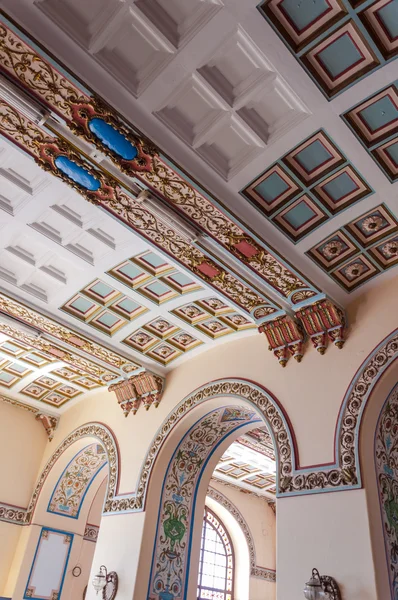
<point>330,532</point>
<point>9,536</point>
<point>87,548</point>
<point>311,393</point>
<point>22,441</point>
<point>262,524</point>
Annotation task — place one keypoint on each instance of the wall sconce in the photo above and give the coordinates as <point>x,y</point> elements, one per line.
<point>106,582</point>
<point>321,587</point>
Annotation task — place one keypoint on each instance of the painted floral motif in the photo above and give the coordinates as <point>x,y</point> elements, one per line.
<point>332,249</point>
<point>390,249</point>
<point>170,562</point>
<point>372,224</point>
<point>75,480</point>
<point>386,459</point>
<point>354,270</point>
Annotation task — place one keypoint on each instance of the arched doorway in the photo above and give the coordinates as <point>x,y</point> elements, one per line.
<point>57,546</point>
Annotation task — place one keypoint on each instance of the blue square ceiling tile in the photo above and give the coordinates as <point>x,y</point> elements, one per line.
<point>340,186</point>
<point>340,56</point>
<point>392,152</point>
<point>313,156</point>
<point>271,188</point>
<point>388,14</point>
<point>299,215</point>
<point>379,114</point>
<point>302,13</point>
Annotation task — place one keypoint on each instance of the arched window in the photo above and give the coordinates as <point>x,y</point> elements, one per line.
<point>216,567</point>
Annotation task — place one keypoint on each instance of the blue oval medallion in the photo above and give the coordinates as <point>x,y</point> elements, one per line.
<point>112,138</point>
<point>77,173</point>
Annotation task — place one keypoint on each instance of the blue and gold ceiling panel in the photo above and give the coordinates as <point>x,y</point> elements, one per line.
<point>375,123</point>
<point>361,250</point>
<point>338,42</point>
<point>307,187</point>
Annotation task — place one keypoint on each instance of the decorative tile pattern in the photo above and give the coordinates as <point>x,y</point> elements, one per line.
<point>89,306</point>
<point>333,250</point>
<point>72,486</point>
<point>299,22</point>
<point>300,218</point>
<point>314,158</point>
<point>340,190</point>
<point>338,42</point>
<point>375,123</point>
<point>386,253</point>
<point>306,187</point>
<point>214,328</point>
<point>380,19</point>
<point>164,353</point>
<point>272,190</point>
<point>361,250</point>
<point>355,272</point>
<point>372,226</point>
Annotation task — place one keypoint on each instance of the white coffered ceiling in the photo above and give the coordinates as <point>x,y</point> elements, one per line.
<point>212,84</point>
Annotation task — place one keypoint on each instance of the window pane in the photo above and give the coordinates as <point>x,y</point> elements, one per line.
<point>216,561</point>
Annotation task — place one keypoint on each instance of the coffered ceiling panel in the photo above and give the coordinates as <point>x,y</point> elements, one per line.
<point>280,195</point>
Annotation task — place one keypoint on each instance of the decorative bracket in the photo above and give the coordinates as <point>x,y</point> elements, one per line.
<point>285,337</point>
<point>323,320</point>
<point>49,423</point>
<point>145,388</point>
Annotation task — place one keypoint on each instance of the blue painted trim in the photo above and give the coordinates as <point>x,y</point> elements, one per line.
<point>54,512</point>
<point>25,597</point>
<point>167,470</point>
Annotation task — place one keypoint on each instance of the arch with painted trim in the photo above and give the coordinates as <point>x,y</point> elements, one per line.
<point>343,473</point>
<point>108,441</point>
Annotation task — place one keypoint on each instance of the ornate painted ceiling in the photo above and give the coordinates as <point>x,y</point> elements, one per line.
<point>242,175</point>
<point>249,464</point>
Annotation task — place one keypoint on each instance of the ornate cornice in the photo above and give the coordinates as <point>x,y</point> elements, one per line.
<point>255,570</point>
<point>68,100</point>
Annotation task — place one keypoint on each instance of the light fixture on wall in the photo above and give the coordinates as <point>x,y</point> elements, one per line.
<point>321,587</point>
<point>106,582</point>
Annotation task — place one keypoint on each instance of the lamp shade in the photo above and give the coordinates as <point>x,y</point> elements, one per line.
<point>99,581</point>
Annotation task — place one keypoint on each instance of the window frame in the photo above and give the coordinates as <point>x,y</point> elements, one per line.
<point>221,531</point>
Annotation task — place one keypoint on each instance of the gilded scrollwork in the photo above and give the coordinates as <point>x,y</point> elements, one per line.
<point>111,197</point>
<point>78,109</point>
<point>35,319</point>
<point>27,66</point>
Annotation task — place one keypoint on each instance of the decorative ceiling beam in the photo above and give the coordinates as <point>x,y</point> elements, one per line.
<point>89,117</point>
